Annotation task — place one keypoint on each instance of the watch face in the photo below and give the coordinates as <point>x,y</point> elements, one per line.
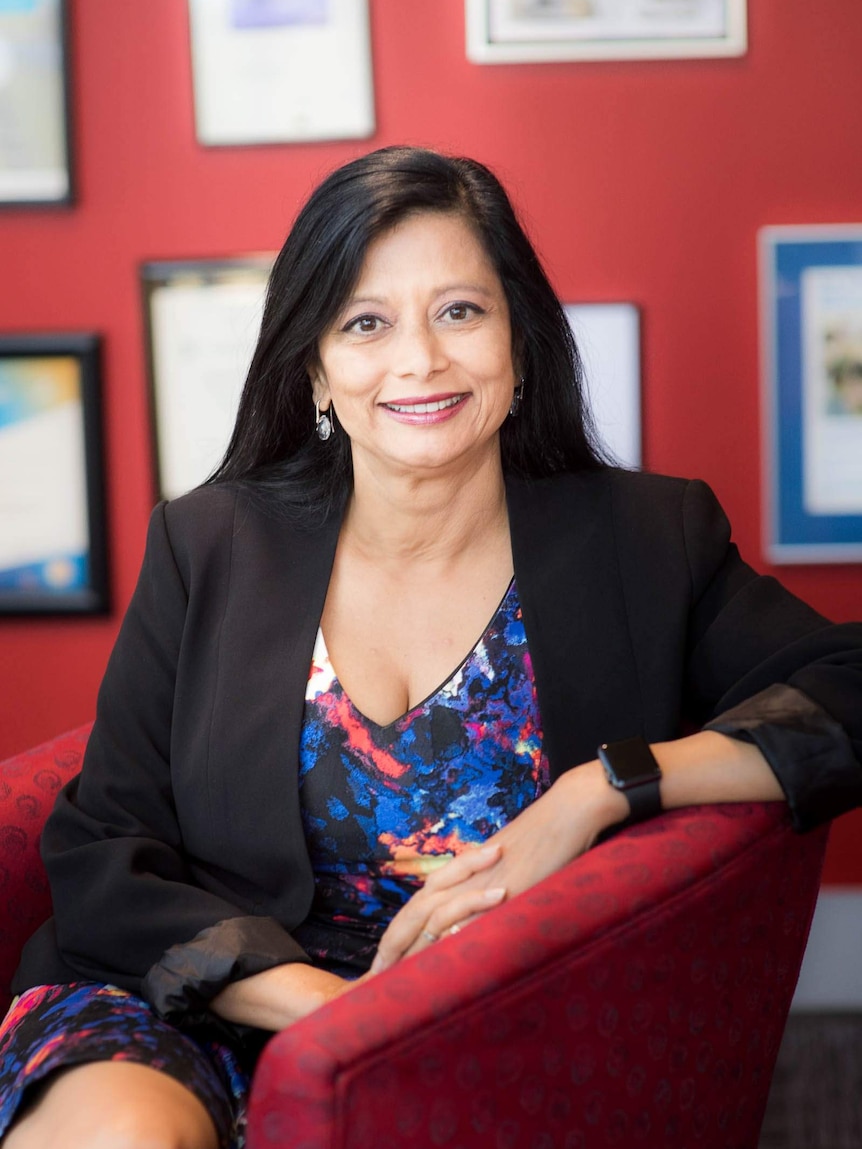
<point>629,763</point>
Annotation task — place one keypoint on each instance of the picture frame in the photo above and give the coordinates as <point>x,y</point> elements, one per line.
<point>811,347</point>
<point>53,546</point>
<point>201,321</point>
<point>533,31</point>
<point>608,339</point>
<point>35,136</point>
<point>280,71</point>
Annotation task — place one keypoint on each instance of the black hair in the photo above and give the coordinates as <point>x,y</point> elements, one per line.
<point>274,448</point>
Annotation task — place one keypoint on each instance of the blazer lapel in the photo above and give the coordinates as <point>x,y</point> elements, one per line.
<point>278,582</point>
<point>564,551</point>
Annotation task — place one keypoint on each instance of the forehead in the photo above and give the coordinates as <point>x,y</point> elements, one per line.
<point>427,245</point>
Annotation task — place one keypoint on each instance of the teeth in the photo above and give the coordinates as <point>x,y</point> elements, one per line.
<point>424,408</point>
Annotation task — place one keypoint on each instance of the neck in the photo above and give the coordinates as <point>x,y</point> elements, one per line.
<point>429,516</point>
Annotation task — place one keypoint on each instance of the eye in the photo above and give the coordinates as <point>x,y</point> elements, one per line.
<point>364,324</point>
<point>460,312</point>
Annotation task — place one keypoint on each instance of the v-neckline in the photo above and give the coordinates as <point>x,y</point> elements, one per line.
<point>321,658</point>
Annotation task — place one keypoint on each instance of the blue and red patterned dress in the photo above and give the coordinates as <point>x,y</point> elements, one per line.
<point>384,805</point>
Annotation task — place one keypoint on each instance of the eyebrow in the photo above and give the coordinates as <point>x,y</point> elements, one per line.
<point>477,288</point>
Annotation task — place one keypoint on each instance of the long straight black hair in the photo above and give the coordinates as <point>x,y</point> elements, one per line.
<point>274,450</point>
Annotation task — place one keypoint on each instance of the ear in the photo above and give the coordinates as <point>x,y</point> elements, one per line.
<point>319,387</point>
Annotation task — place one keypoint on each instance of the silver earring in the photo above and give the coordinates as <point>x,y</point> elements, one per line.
<point>322,423</point>
<point>517,396</point>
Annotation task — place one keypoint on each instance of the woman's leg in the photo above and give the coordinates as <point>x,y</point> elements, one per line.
<point>113,1105</point>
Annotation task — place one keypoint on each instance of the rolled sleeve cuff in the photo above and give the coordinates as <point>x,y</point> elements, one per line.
<point>187,977</point>
<point>808,751</point>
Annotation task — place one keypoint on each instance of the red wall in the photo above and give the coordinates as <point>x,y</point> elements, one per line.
<point>642,181</point>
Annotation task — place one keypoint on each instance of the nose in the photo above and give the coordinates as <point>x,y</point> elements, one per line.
<point>419,351</point>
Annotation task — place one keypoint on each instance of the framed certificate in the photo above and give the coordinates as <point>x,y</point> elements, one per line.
<point>202,319</point>
<point>608,338</point>
<point>811,338</point>
<point>270,71</point>
<point>52,515</point>
<point>35,163</point>
<point>530,31</point>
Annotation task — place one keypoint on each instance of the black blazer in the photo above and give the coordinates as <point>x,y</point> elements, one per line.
<point>177,859</point>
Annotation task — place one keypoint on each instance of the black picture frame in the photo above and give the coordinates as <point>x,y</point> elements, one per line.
<point>53,538</point>
<point>36,152</point>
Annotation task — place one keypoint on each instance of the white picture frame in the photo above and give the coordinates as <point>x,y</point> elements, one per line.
<point>35,146</point>
<point>202,319</point>
<point>276,71</point>
<point>608,338</point>
<point>533,31</point>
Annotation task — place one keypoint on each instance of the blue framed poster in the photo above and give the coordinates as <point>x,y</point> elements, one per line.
<point>811,287</point>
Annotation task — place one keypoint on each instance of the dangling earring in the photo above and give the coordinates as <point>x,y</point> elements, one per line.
<point>322,423</point>
<point>517,396</point>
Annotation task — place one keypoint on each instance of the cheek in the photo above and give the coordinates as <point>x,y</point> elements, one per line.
<point>351,382</point>
<point>499,370</point>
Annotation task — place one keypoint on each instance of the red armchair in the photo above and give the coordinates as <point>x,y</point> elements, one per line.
<point>636,998</point>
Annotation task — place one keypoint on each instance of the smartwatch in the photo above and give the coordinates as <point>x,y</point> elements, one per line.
<point>630,766</point>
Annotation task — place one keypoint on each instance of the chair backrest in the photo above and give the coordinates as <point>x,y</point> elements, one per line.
<point>28,786</point>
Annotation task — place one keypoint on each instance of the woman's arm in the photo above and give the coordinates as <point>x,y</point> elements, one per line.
<point>776,687</point>
<point>133,904</point>
<point>279,996</point>
<point>702,768</point>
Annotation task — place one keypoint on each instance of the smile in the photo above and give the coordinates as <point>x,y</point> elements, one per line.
<point>430,408</point>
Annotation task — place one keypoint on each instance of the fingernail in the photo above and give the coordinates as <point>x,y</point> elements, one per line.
<point>488,851</point>
<point>495,894</point>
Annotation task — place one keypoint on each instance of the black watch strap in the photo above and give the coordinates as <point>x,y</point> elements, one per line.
<point>644,801</point>
<point>630,766</point>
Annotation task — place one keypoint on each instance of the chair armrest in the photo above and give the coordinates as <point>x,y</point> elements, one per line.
<point>28,786</point>
<point>587,999</point>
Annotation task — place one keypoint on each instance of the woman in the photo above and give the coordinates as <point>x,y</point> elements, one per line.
<point>308,711</point>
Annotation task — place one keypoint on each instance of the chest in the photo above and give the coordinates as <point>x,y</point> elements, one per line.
<point>393,637</point>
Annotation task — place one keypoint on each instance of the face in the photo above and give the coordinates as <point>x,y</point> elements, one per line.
<point>418,364</point>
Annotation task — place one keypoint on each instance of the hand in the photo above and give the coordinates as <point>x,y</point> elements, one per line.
<point>556,828</point>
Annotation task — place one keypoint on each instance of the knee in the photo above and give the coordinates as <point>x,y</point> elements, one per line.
<point>136,1131</point>
<point>179,1129</point>
<point>114,1106</point>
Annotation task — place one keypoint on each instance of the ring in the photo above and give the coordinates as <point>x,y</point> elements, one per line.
<point>429,937</point>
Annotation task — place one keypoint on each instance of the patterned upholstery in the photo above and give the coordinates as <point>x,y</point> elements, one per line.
<point>636,998</point>
<point>28,785</point>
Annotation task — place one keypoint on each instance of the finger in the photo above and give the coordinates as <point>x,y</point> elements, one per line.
<point>405,936</point>
<point>458,926</point>
<point>463,907</point>
<point>401,932</point>
<point>463,866</point>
